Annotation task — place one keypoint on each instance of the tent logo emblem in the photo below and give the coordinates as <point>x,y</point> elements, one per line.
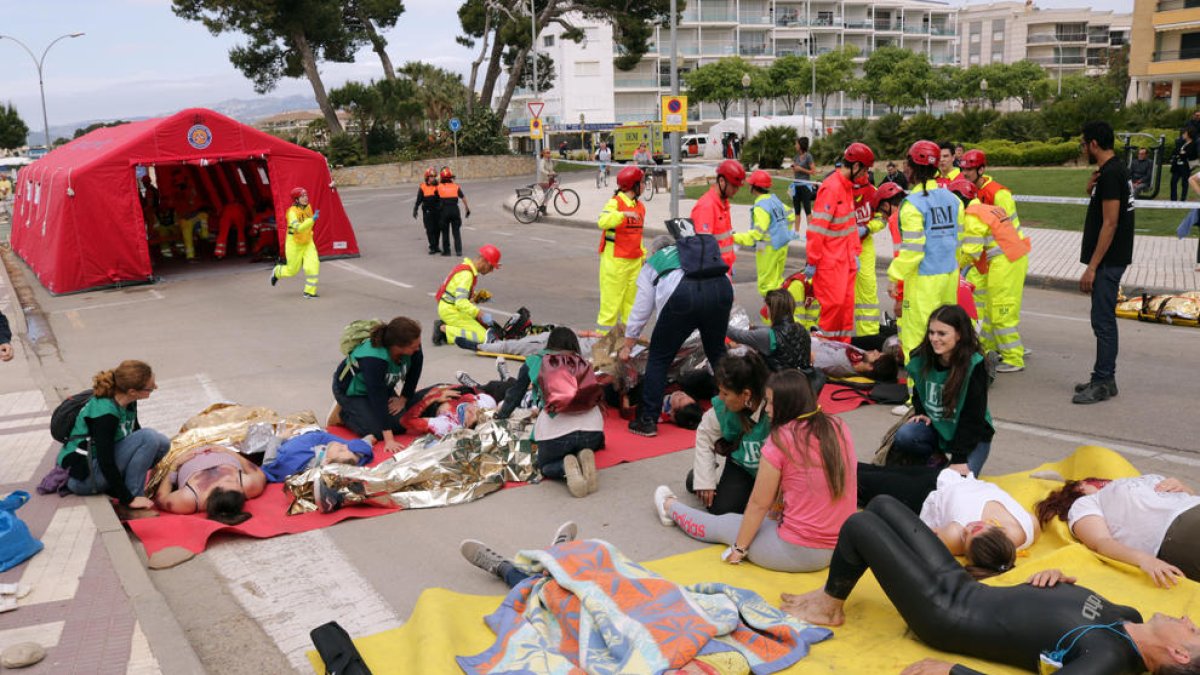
<point>199,136</point>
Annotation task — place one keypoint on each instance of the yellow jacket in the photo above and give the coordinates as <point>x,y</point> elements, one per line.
<point>300,223</point>
<point>459,288</point>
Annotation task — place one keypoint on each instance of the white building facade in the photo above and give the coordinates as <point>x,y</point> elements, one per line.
<point>1063,41</point>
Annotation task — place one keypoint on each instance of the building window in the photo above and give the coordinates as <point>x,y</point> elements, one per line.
<point>974,38</point>
<point>997,57</point>
<point>974,59</point>
<point>976,27</point>
<point>587,68</point>
<point>548,41</point>
<point>1189,46</point>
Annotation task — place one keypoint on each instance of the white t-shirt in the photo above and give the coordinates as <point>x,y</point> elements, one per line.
<point>1136,515</point>
<point>960,499</point>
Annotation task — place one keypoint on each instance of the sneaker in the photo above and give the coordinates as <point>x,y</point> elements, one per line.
<point>502,367</point>
<point>439,335</point>
<point>1026,351</point>
<point>309,296</point>
<point>274,279</point>
<point>481,555</point>
<point>1094,392</point>
<point>1111,384</point>
<point>466,380</point>
<point>326,498</point>
<point>661,494</point>
<point>644,427</point>
<point>900,410</point>
<point>565,533</point>
<point>587,463</point>
<point>576,483</point>
<point>1003,367</point>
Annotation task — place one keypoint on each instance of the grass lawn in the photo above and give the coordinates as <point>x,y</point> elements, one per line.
<point>1054,182</point>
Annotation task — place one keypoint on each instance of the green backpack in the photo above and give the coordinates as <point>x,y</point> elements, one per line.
<point>353,335</point>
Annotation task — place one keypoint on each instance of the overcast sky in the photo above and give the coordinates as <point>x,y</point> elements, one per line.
<point>137,58</point>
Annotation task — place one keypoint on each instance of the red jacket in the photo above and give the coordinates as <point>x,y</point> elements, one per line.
<point>833,229</point>
<point>710,215</point>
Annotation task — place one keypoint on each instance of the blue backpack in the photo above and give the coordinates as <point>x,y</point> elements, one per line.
<point>16,543</point>
<point>700,257</point>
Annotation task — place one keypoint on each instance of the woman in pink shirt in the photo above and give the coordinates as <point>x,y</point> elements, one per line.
<point>808,465</point>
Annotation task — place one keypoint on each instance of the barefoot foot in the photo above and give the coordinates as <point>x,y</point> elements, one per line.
<point>814,607</point>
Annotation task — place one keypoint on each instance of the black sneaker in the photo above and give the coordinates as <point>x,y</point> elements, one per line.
<point>1094,392</point>
<point>1111,385</point>
<point>644,427</point>
<point>439,335</point>
<point>274,279</point>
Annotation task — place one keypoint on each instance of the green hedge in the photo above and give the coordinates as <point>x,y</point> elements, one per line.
<point>1030,153</point>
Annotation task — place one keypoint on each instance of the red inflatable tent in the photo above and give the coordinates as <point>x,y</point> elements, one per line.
<point>77,220</point>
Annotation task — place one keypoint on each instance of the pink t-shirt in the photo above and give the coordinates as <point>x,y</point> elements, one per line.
<point>811,516</point>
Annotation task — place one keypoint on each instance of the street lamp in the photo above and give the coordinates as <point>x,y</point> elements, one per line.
<point>41,86</point>
<point>746,106</point>
<point>983,85</point>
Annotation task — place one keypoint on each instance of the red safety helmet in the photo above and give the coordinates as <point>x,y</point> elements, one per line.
<point>859,152</point>
<point>629,177</point>
<point>430,173</point>
<point>446,173</point>
<point>963,187</point>
<point>885,192</point>
<point>972,159</point>
<point>760,179</point>
<point>925,153</point>
<point>732,171</point>
<point>298,192</point>
<point>491,254</point>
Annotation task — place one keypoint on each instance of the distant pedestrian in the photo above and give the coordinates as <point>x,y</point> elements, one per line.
<point>896,176</point>
<point>1181,165</point>
<point>562,150</point>
<point>958,153</point>
<point>1107,249</point>
<point>548,170</point>
<point>300,248</point>
<point>737,146</point>
<point>1141,169</point>
<point>449,194</point>
<point>431,209</point>
<point>803,169</point>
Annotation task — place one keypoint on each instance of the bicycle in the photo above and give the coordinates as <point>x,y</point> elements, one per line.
<point>529,207</point>
<point>602,176</point>
<point>648,187</point>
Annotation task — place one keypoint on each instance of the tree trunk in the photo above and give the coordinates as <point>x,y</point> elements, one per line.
<point>314,77</point>
<point>487,33</point>
<point>378,44</point>
<point>493,71</point>
<point>513,78</point>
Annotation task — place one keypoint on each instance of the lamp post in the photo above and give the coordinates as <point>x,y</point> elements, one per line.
<point>746,106</point>
<point>41,85</point>
<point>983,85</point>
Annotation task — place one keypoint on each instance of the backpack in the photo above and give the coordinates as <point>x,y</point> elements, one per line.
<point>517,326</point>
<point>700,257</point>
<point>568,383</point>
<point>62,420</point>
<point>353,335</point>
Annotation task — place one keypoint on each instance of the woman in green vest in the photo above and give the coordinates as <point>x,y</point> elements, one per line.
<point>108,451</point>
<point>949,396</point>
<point>730,437</point>
<point>364,384</point>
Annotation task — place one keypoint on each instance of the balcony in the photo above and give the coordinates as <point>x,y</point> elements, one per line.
<point>1177,55</point>
<point>910,29</point>
<point>859,24</point>
<point>618,50</point>
<point>718,15</point>
<point>942,30</point>
<point>639,81</point>
<point>1059,60</point>
<point>791,52</point>
<point>717,48</point>
<point>755,49</point>
<point>942,59</point>
<point>825,22</point>
<point>754,19</point>
<point>1098,39</point>
<point>791,21</point>
<point>1171,5</point>
<point>888,26</point>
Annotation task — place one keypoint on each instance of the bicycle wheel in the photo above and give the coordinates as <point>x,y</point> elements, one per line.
<point>525,210</point>
<point>647,190</point>
<point>566,202</point>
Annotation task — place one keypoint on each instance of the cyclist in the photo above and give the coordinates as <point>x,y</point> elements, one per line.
<point>603,156</point>
<point>548,171</point>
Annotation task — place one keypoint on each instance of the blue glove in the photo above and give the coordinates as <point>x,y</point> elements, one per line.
<point>318,215</point>
<point>863,232</point>
<point>809,271</point>
<point>486,319</point>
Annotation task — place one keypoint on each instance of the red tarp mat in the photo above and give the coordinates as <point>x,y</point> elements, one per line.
<point>836,399</point>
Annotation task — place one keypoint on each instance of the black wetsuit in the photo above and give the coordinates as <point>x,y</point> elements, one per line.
<point>950,611</point>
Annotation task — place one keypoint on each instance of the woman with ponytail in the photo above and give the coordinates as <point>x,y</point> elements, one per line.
<point>364,384</point>
<point>108,451</point>
<point>808,464</point>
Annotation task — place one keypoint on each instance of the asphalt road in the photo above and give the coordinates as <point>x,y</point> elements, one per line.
<point>217,331</point>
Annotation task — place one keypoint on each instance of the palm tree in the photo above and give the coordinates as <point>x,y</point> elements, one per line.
<point>439,92</point>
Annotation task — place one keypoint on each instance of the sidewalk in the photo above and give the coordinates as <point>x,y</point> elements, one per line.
<point>92,605</point>
<point>1160,264</point>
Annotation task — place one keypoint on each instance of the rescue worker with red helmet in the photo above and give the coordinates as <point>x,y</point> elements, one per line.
<point>834,245</point>
<point>299,248</point>
<point>710,215</point>
<point>998,250</point>
<point>233,216</point>
<point>770,232</point>
<point>866,287</point>
<point>927,264</point>
<point>449,193</point>
<point>459,318</point>
<point>621,251</point>
<point>431,209</point>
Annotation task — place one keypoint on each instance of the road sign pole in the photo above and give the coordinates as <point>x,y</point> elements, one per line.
<point>456,146</point>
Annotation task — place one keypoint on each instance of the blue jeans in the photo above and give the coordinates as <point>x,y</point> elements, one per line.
<point>135,455</point>
<point>921,440</point>
<point>696,304</point>
<point>1104,321</point>
<point>551,453</point>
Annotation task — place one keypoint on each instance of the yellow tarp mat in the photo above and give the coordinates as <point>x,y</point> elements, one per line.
<point>445,624</point>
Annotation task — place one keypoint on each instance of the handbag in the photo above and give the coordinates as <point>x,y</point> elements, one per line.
<point>337,650</point>
<point>16,543</point>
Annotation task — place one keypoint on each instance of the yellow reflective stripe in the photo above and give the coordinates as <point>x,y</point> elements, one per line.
<point>866,306</point>
<point>912,234</point>
<point>726,246</point>
<point>839,333</point>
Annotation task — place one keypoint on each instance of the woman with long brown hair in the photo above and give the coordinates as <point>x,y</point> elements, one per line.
<point>108,451</point>
<point>809,464</point>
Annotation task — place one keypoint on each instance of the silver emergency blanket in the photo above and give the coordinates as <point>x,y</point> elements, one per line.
<point>463,466</point>
<point>1182,308</point>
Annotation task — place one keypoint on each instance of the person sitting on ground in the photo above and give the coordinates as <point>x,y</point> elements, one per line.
<point>108,451</point>
<point>1141,168</point>
<point>212,479</point>
<point>1047,617</point>
<point>808,464</point>
<point>949,396</point>
<point>565,442</point>
<point>364,383</point>
<point>730,437</point>
<point>1149,521</point>
<point>785,343</point>
<point>312,448</point>
<point>443,408</point>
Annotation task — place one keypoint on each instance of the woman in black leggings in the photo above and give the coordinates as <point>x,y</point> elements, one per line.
<point>950,611</point>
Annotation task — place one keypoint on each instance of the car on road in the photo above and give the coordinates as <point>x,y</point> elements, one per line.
<point>693,145</point>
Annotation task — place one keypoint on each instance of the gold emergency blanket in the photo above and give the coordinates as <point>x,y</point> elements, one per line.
<point>248,430</point>
<point>465,465</point>
<point>1181,309</point>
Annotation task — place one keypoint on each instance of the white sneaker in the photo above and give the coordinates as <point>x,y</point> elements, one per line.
<point>502,367</point>
<point>1003,367</point>
<point>900,410</point>
<point>576,483</point>
<point>565,533</point>
<point>481,555</point>
<point>661,493</point>
<point>587,464</point>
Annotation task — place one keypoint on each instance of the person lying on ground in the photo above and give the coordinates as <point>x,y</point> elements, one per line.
<point>730,437</point>
<point>212,479</point>
<point>315,448</point>
<point>443,408</point>
<point>565,442</point>
<point>808,465</point>
<point>532,344</point>
<point>1048,617</point>
<point>1149,521</point>
<point>364,383</point>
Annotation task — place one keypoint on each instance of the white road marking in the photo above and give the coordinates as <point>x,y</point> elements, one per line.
<point>45,634</point>
<point>141,659</point>
<point>176,401</point>
<point>289,594</point>
<point>1166,454</point>
<point>544,241</point>
<point>470,227</point>
<point>358,270</point>
<point>1026,312</point>
<point>54,573</point>
<point>154,295</point>
<point>504,234</point>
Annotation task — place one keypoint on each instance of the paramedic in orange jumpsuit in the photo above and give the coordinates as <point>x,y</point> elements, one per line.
<point>710,215</point>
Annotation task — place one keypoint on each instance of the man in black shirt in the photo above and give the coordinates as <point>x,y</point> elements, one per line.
<point>894,176</point>
<point>1106,250</point>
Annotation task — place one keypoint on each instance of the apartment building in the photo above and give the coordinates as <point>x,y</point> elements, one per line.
<point>757,30</point>
<point>1164,54</point>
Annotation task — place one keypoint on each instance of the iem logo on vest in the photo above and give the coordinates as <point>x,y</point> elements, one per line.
<point>199,136</point>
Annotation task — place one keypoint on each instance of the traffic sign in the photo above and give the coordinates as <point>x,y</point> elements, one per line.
<point>674,114</point>
<point>455,125</point>
<point>535,129</point>
<point>535,108</point>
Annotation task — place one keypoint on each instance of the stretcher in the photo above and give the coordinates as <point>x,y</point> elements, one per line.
<point>1177,310</point>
